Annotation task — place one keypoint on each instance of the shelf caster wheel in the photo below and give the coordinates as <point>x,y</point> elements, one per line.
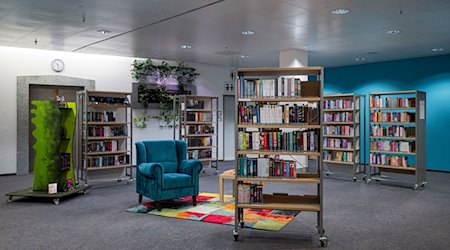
<point>423,184</point>
<point>9,199</point>
<point>368,181</point>
<point>216,172</point>
<point>377,180</point>
<point>236,235</point>
<point>56,201</point>
<point>416,186</point>
<point>323,241</point>
<point>354,179</point>
<point>119,180</point>
<point>203,171</point>
<point>129,182</point>
<point>84,191</point>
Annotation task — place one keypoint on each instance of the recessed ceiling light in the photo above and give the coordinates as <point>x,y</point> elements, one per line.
<point>104,32</point>
<point>186,46</point>
<point>340,11</point>
<point>393,31</point>
<point>245,56</point>
<point>360,59</point>
<point>437,49</point>
<point>247,32</point>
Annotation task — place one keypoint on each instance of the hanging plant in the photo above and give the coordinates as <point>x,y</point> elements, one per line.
<point>143,70</point>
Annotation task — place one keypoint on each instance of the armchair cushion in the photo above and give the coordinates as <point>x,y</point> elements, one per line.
<point>163,152</point>
<point>150,170</point>
<point>190,167</point>
<point>176,180</point>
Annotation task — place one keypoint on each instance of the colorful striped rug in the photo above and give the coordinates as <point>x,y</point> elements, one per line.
<point>209,209</point>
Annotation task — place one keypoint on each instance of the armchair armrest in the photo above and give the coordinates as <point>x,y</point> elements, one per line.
<point>151,170</point>
<point>190,167</point>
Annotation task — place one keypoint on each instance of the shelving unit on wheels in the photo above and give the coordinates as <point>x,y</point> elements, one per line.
<point>397,135</point>
<point>343,119</point>
<point>198,126</point>
<point>105,144</point>
<point>279,117</point>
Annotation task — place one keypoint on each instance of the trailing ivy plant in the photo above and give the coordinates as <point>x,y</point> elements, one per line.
<point>142,69</point>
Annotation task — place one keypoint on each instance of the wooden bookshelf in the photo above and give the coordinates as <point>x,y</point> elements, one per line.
<point>274,106</point>
<point>344,119</point>
<point>198,126</point>
<point>387,136</point>
<point>100,113</point>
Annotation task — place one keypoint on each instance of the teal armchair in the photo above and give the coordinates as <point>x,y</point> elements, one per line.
<point>163,172</point>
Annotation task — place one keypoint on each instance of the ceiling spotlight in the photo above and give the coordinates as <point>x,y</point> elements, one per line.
<point>393,31</point>
<point>359,59</point>
<point>245,56</point>
<point>186,46</point>
<point>340,11</point>
<point>437,49</point>
<point>104,32</point>
<point>307,46</point>
<point>247,32</point>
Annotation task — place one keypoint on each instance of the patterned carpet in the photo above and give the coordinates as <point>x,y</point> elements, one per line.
<point>209,209</point>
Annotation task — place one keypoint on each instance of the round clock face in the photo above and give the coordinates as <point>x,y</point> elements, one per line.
<point>57,65</point>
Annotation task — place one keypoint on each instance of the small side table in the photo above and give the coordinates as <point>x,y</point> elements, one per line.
<point>227,175</point>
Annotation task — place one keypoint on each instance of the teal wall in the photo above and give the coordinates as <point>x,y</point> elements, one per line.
<point>429,74</point>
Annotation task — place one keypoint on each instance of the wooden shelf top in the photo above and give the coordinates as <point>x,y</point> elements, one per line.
<point>394,123</point>
<point>392,152</point>
<point>393,138</point>
<point>394,167</point>
<point>277,125</point>
<point>340,136</point>
<point>393,108</point>
<point>109,167</point>
<point>106,93</point>
<point>339,110</point>
<point>280,99</point>
<point>336,96</point>
<point>279,71</point>
<point>287,202</point>
<point>395,92</point>
<point>108,106</point>
<point>339,162</point>
<point>108,123</point>
<point>340,123</point>
<point>340,149</point>
<point>279,179</point>
<point>109,153</point>
<point>108,137</point>
<point>277,152</point>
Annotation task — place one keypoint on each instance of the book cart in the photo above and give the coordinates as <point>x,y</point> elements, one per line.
<point>397,136</point>
<point>279,115</point>
<point>105,144</point>
<point>198,126</point>
<point>343,121</point>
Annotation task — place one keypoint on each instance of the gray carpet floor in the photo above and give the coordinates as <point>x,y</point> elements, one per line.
<point>356,216</point>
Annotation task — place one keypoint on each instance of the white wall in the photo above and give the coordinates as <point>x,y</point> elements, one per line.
<point>109,72</point>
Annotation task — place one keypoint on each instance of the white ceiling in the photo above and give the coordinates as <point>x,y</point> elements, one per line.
<point>157,29</point>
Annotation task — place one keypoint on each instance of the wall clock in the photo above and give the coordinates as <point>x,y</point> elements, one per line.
<point>57,65</point>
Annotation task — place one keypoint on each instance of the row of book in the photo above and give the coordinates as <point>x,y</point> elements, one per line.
<point>101,116</point>
<point>278,140</point>
<point>197,129</point>
<point>249,193</point>
<point>338,117</point>
<point>277,114</point>
<point>389,160</point>
<point>199,142</point>
<point>338,104</point>
<point>395,146</point>
<point>339,130</point>
<point>199,154</point>
<point>102,146</point>
<point>397,131</point>
<point>109,100</point>
<point>107,160</point>
<point>392,102</point>
<point>194,104</point>
<point>280,87</point>
<point>392,117</point>
<point>198,117</point>
<point>339,156</point>
<point>107,131</point>
<point>265,167</point>
<point>338,143</point>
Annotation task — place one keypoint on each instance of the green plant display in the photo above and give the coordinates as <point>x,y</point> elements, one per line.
<point>48,121</point>
<point>143,69</point>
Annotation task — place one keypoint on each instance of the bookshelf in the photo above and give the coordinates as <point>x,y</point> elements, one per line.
<point>397,135</point>
<point>279,117</point>
<point>343,119</point>
<point>198,126</point>
<point>105,144</point>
